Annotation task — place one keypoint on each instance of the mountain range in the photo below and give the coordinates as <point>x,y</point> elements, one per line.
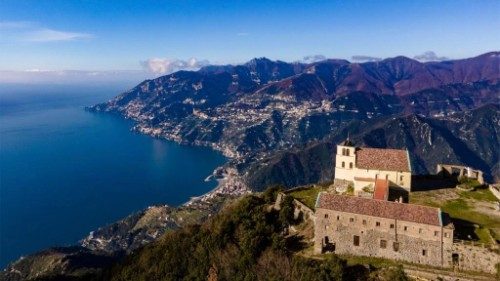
<point>279,124</point>
<point>264,108</point>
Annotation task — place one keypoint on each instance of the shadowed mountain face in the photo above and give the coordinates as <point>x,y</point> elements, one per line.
<point>470,137</point>
<point>252,110</point>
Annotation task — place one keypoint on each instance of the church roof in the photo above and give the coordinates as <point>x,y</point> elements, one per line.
<point>380,208</point>
<point>383,159</point>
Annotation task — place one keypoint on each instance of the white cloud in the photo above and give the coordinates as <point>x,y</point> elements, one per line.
<point>50,35</point>
<point>429,56</point>
<point>165,66</point>
<point>362,58</point>
<point>313,58</point>
<point>22,31</point>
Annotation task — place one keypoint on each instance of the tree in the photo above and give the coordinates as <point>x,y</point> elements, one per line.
<point>271,193</point>
<point>286,211</point>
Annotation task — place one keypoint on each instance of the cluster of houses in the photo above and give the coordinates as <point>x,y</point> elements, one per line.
<point>369,224</point>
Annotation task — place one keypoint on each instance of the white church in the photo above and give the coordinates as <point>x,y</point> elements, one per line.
<point>372,167</point>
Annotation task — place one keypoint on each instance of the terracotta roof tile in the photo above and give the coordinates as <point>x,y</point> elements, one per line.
<point>380,208</point>
<point>382,159</point>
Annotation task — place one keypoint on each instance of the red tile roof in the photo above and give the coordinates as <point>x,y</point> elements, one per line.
<point>383,159</point>
<point>381,190</point>
<point>379,208</point>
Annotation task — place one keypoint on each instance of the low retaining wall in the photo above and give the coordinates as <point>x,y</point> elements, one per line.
<point>469,256</point>
<point>300,207</point>
<point>495,189</point>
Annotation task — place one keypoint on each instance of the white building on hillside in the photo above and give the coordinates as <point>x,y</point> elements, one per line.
<point>366,166</point>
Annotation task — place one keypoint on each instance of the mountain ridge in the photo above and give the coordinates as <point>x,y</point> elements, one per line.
<point>248,110</point>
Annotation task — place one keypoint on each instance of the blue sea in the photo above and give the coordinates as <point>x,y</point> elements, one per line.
<point>65,171</point>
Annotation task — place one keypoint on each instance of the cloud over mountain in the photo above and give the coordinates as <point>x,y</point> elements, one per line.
<point>165,66</point>
<point>361,58</point>
<point>313,58</point>
<point>429,56</point>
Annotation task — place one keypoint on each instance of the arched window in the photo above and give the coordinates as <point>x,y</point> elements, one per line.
<point>347,152</point>
<point>343,164</point>
<point>343,151</point>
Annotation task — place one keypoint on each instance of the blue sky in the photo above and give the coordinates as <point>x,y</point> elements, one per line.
<point>126,35</point>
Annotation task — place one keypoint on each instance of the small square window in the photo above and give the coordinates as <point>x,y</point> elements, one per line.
<point>392,225</point>
<point>377,223</point>
<point>326,216</point>
<point>420,230</point>
<point>383,244</point>
<point>405,228</point>
<point>395,246</point>
<point>424,252</point>
<point>436,233</point>
<point>351,219</point>
<point>338,217</point>
<point>364,222</point>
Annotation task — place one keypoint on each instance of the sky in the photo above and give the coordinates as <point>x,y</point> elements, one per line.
<point>41,40</point>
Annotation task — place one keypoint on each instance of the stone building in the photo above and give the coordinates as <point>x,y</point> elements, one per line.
<point>459,171</point>
<point>379,228</point>
<point>364,166</point>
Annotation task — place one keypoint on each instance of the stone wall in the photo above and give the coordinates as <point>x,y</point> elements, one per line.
<point>495,189</point>
<point>448,170</point>
<point>381,237</point>
<point>475,257</point>
<point>300,209</point>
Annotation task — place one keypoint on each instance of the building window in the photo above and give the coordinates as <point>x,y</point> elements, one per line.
<point>356,240</point>
<point>326,216</point>
<point>392,225</point>
<point>401,178</point>
<point>343,151</point>
<point>446,234</point>
<point>347,152</point>
<point>350,165</point>
<point>377,223</point>
<point>338,217</point>
<point>364,222</point>
<point>326,227</point>
<point>436,233</point>
<point>351,219</point>
<point>424,252</point>
<point>405,228</point>
<point>420,230</point>
<point>383,244</point>
<point>395,246</point>
<point>343,164</point>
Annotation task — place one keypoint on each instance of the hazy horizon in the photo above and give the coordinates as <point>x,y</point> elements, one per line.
<point>130,41</point>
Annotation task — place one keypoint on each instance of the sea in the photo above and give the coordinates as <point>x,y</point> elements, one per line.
<point>65,171</point>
